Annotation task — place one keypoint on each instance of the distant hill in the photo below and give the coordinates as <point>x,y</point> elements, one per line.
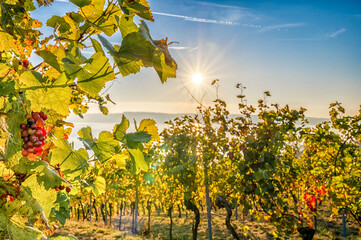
<point>99,122</point>
<point>160,118</point>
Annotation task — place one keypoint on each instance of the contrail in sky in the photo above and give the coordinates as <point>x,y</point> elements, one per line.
<point>205,20</point>
<point>195,19</point>
<point>338,32</point>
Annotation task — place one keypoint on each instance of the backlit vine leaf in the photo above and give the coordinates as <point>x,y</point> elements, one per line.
<point>72,162</point>
<point>55,96</point>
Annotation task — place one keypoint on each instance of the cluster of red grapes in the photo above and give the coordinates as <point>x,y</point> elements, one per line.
<point>61,187</point>
<point>311,198</point>
<point>33,134</point>
<point>60,173</point>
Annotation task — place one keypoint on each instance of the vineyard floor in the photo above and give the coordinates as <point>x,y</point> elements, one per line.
<point>91,230</point>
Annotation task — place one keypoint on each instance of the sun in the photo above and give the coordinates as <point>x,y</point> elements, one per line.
<point>197,78</point>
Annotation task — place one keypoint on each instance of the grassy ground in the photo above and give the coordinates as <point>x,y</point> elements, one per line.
<point>85,230</point>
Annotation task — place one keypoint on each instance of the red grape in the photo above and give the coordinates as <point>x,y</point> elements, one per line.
<point>37,144</point>
<point>25,63</point>
<point>32,138</point>
<point>33,126</point>
<point>40,123</point>
<point>31,121</point>
<point>68,189</point>
<point>31,150</point>
<point>30,145</point>
<point>41,138</point>
<point>25,153</point>
<point>31,131</point>
<point>38,133</point>
<point>43,116</point>
<point>23,126</point>
<point>35,116</point>
<point>24,133</point>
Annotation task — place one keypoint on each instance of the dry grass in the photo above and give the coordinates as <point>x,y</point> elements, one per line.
<point>85,230</point>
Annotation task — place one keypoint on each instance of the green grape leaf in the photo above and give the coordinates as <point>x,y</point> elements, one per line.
<point>107,45</point>
<point>81,3</point>
<point>15,116</point>
<point>107,25</point>
<point>72,162</point>
<point>97,47</point>
<point>164,70</point>
<point>139,7</point>
<point>60,23</point>
<point>55,96</point>
<point>50,59</point>
<point>149,126</point>
<point>135,47</point>
<point>44,197</point>
<point>12,227</point>
<point>126,66</point>
<point>103,109</point>
<point>6,41</point>
<point>6,88</point>
<point>93,11</point>
<point>75,55</point>
<point>103,147</point>
<point>98,186</point>
<point>136,137</point>
<point>61,211</point>
<point>126,25</point>
<point>139,163</point>
<point>119,130</point>
<point>138,49</point>
<point>46,175</point>
<point>120,160</point>
<point>93,76</point>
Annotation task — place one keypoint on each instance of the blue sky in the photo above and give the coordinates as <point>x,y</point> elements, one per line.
<point>306,53</point>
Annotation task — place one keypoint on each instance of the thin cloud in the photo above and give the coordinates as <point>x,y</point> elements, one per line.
<point>280,26</point>
<point>195,19</point>
<point>338,32</point>
<point>221,5</point>
<point>179,48</point>
<point>183,48</point>
<point>233,12</point>
<point>192,49</point>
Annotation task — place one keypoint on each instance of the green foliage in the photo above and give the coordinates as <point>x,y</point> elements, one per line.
<point>65,81</point>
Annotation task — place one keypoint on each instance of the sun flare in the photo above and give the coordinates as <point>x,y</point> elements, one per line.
<point>197,78</point>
